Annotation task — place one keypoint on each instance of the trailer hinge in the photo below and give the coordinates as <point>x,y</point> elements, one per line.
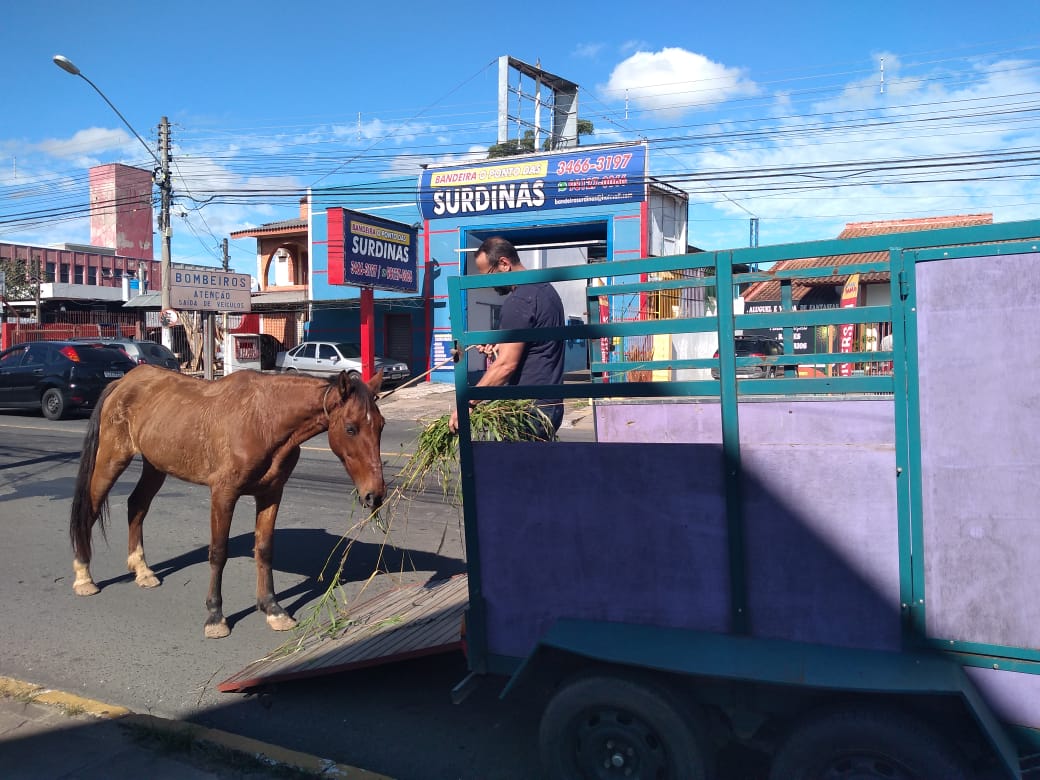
<point>904,286</point>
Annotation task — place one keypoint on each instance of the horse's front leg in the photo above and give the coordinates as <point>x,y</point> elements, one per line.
<point>137,507</point>
<point>263,551</point>
<point>221,509</point>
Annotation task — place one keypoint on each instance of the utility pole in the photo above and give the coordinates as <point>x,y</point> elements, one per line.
<point>162,179</point>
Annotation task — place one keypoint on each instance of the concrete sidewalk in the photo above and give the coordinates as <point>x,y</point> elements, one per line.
<point>47,735</point>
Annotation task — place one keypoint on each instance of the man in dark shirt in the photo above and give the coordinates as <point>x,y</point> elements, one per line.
<point>525,306</point>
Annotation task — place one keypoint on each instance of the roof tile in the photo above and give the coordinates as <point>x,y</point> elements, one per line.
<point>770,291</point>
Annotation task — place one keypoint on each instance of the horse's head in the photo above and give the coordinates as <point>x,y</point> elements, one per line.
<point>355,428</point>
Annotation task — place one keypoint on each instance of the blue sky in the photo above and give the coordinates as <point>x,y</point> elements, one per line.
<point>804,115</point>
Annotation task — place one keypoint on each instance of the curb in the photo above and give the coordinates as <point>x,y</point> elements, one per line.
<point>255,750</point>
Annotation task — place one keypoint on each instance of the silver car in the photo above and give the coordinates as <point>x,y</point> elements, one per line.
<point>325,358</point>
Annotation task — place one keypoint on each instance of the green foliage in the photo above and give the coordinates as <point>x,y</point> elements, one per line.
<point>20,279</point>
<point>525,145</point>
<point>437,448</point>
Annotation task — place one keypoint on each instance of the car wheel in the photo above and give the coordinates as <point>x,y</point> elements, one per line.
<point>352,375</point>
<point>53,404</point>
<point>866,742</point>
<point>291,370</point>
<point>607,725</point>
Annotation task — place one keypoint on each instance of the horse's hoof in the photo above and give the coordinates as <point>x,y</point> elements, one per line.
<point>147,581</point>
<point>85,588</point>
<point>217,630</point>
<point>281,622</point>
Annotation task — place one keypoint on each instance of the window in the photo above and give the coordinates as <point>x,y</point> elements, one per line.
<point>327,352</point>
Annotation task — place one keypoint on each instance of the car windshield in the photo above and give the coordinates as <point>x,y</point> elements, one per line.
<point>99,354</point>
<point>349,350</point>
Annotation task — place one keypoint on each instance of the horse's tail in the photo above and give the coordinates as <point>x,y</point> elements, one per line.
<point>84,514</point>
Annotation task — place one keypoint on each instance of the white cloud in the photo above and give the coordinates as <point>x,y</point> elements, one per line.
<point>633,45</point>
<point>675,81</point>
<point>587,50</point>
<point>88,142</point>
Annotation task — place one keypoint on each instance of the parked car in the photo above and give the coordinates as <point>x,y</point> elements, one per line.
<point>754,346</point>
<point>325,358</point>
<point>58,377</point>
<point>138,351</point>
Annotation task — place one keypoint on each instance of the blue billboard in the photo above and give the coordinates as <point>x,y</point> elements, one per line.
<point>367,251</point>
<point>564,179</point>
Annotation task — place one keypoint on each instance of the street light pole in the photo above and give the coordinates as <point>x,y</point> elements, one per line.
<point>161,177</point>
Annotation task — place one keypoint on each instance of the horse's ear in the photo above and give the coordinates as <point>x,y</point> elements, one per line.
<point>375,383</point>
<point>343,384</point>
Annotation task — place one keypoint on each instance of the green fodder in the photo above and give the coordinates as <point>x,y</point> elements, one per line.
<point>437,448</point>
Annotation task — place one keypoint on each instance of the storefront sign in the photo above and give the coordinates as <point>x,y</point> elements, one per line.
<point>366,251</point>
<point>850,299</point>
<point>566,179</point>
<point>441,357</point>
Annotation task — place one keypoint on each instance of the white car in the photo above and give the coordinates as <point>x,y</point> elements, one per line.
<point>326,358</point>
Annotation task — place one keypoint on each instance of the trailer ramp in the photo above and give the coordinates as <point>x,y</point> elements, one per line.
<point>406,622</point>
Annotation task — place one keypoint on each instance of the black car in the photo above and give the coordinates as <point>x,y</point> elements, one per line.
<point>755,346</point>
<point>58,377</point>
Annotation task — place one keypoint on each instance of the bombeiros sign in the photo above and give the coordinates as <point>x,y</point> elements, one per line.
<point>210,290</point>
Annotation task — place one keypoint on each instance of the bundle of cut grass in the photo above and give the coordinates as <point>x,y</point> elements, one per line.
<point>437,448</point>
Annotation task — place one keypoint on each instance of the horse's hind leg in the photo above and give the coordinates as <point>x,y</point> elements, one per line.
<point>263,551</point>
<point>137,507</point>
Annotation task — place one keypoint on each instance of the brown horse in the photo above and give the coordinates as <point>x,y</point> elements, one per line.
<point>239,435</point>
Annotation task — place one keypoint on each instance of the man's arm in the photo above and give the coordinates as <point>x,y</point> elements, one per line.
<point>501,370</point>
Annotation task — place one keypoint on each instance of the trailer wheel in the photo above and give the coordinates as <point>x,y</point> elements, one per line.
<point>864,743</point>
<point>604,726</point>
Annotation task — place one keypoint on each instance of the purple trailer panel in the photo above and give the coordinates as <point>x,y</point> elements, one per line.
<point>980,447</point>
<point>821,522</point>
<point>631,533</point>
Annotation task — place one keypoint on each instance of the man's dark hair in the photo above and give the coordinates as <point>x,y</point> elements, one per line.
<point>497,247</point>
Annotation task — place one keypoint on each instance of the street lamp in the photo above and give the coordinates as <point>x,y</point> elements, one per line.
<point>161,177</point>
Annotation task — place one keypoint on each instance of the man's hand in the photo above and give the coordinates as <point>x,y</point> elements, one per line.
<point>453,421</point>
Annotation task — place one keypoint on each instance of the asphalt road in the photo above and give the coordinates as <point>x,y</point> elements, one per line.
<point>144,649</point>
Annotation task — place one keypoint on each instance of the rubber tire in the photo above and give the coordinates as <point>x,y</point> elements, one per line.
<point>52,404</point>
<point>291,371</point>
<point>659,734</point>
<point>352,375</point>
<point>864,742</point>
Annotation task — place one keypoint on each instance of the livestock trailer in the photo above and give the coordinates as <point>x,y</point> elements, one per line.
<point>835,564</point>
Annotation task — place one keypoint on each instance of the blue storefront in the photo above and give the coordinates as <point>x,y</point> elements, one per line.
<point>581,205</point>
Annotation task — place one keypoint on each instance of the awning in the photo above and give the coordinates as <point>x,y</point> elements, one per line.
<point>148,300</point>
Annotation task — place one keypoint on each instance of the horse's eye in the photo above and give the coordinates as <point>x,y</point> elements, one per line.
<point>351,430</point>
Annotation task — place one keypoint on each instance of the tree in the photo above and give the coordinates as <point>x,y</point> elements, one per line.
<point>19,278</point>
<point>525,145</point>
